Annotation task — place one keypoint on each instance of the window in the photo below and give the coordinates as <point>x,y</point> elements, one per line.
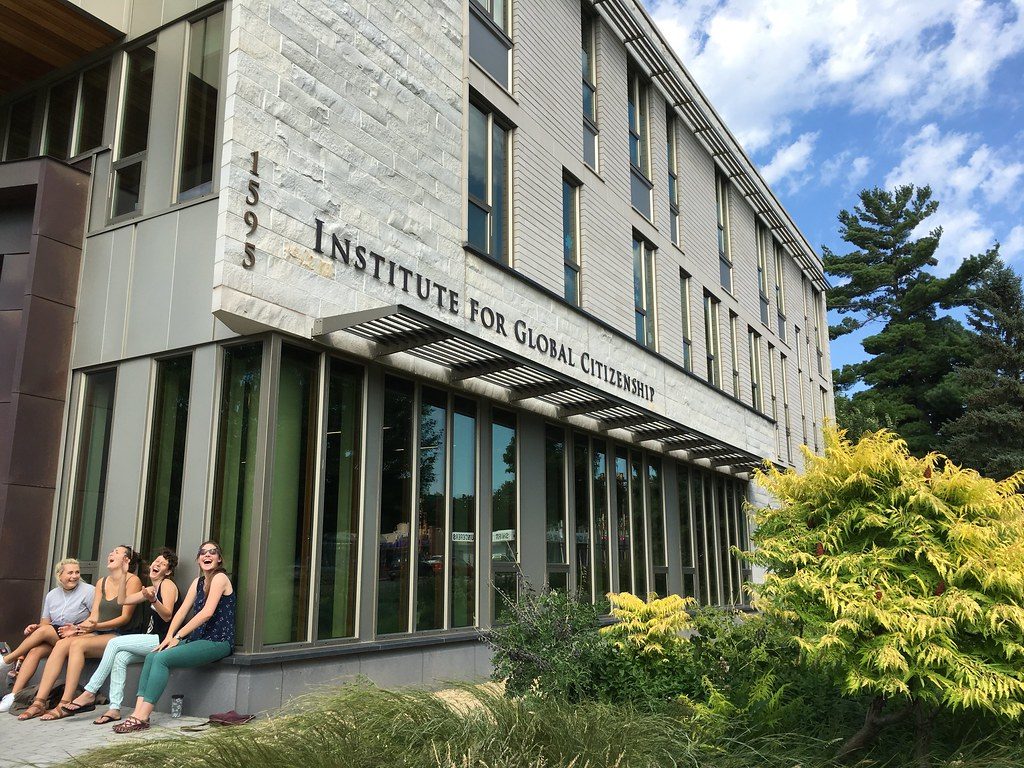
<point>712,340</point>
<point>555,518</point>
<point>784,371</point>
<point>639,146</point>
<point>599,500</point>
<point>622,525</point>
<point>643,292</point>
<point>20,124</point>
<point>824,406</point>
<point>773,395</point>
<point>686,532</point>
<point>673,176</point>
<point>571,239</point>
<point>60,119</point>
<point>656,509</point>
<point>724,246</point>
<point>763,240</point>
<point>504,513</point>
<point>74,113</point>
<point>489,43</point>
<point>236,464</point>
<point>91,465</point>
<point>199,125</point>
<point>133,134</point>
<point>711,523</point>
<point>582,513</point>
<point>684,300</point>
<point>756,393</point>
<point>464,512</point>
<point>780,291</point>
<point>92,107</point>
<point>162,508</point>
<point>818,340</point>
<point>734,357</point>
<point>588,69</point>
<point>488,185</point>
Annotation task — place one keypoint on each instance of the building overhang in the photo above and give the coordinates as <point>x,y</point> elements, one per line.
<point>42,36</point>
<point>401,329</point>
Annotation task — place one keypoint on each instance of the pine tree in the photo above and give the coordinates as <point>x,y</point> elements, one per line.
<point>989,436</point>
<point>906,575</point>
<point>886,280</point>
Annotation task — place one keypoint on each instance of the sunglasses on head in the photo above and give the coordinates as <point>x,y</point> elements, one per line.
<point>210,551</point>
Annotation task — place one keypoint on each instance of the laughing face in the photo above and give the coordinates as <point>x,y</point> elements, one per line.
<point>117,558</point>
<point>209,558</point>
<point>69,577</point>
<point>160,569</point>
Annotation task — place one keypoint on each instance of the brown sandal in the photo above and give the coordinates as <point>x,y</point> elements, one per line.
<point>36,708</point>
<point>131,725</point>
<point>57,713</point>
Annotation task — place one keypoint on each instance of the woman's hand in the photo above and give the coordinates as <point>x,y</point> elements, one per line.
<point>169,642</point>
<point>30,629</point>
<point>149,593</point>
<point>87,626</point>
<point>67,630</point>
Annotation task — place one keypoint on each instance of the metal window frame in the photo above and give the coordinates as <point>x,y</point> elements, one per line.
<point>576,262</point>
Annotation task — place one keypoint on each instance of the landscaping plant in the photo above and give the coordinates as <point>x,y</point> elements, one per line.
<point>905,577</point>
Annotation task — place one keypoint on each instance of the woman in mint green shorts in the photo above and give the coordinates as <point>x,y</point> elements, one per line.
<point>164,600</point>
<point>206,637</point>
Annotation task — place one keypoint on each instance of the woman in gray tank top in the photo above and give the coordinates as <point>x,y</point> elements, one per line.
<point>91,636</point>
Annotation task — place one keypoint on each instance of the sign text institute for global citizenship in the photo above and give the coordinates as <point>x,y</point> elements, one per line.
<point>393,273</point>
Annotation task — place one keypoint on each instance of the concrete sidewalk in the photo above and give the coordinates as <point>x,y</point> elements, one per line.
<point>38,743</point>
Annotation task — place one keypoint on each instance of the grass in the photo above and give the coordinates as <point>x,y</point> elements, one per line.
<point>360,726</point>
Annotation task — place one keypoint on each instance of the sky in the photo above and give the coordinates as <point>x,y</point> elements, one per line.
<point>829,98</point>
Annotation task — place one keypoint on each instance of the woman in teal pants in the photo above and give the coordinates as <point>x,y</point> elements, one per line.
<point>210,635</point>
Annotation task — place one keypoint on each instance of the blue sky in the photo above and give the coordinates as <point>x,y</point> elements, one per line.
<point>831,97</point>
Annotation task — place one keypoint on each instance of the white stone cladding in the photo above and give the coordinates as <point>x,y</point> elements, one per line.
<point>358,112</point>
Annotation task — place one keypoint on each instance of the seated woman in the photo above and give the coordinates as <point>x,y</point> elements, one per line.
<point>211,635</point>
<point>64,609</point>
<point>91,636</point>
<point>164,601</point>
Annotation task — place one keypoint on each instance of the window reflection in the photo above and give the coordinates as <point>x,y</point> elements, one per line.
<point>430,534</point>
<point>395,508</point>
<point>463,472</point>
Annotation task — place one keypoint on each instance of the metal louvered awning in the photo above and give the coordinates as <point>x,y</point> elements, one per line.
<point>400,328</point>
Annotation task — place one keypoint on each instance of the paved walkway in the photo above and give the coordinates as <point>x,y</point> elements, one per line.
<point>37,743</point>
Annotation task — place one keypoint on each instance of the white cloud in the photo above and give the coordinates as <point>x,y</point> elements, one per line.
<point>858,170</point>
<point>851,170</point>
<point>1013,246</point>
<point>791,160</point>
<point>969,179</point>
<point>762,61</point>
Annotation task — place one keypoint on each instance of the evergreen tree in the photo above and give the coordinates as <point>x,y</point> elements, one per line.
<point>886,280</point>
<point>906,579</point>
<point>989,436</point>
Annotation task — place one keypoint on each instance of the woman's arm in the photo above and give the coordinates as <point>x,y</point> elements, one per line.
<point>168,597</point>
<point>218,587</point>
<point>135,585</point>
<point>123,598</point>
<point>180,616</point>
<point>90,623</point>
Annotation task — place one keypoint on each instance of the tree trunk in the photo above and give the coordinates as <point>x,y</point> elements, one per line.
<point>874,721</point>
<point>924,726</point>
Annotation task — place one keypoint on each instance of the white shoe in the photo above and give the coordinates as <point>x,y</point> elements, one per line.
<point>6,702</point>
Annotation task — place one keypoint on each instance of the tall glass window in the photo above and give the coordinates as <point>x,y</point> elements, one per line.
<point>622,521</point>
<point>582,513</point>
<point>236,465</point>
<point>712,340</point>
<point>818,337</point>
<point>199,125</point>
<point>463,473</point>
<point>756,389</point>
<point>396,493</point>
<point>684,302</point>
<point>639,144</point>
<point>763,241</point>
<point>339,537</point>
<point>133,134</point>
<point>724,247</point>
<point>431,533</point>
<point>504,513</point>
<point>734,348</point>
<point>20,123</point>
<point>656,507</point>
<point>92,107</point>
<point>91,463</point>
<point>599,477</point>
<point>686,532</point>
<point>162,509</point>
<point>589,74</point>
<point>643,292</point>
<point>711,541</point>
<point>780,291</point>
<point>60,119</point>
<point>488,185</point>
<point>571,238</point>
<point>673,175</point>
<point>555,518</point>
<point>784,372</point>
<point>637,519</point>
<point>489,41</point>
<point>290,543</point>
<point>701,529</point>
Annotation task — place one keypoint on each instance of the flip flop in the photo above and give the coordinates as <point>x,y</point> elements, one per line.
<point>73,709</point>
<point>106,718</point>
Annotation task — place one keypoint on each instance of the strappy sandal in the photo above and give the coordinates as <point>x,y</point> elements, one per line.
<point>36,708</point>
<point>73,708</point>
<point>132,725</point>
<point>106,718</point>
<point>57,713</point>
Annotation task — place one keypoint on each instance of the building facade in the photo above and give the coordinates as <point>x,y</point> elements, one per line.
<point>410,305</point>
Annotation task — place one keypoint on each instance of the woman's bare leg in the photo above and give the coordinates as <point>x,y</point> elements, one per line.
<point>45,634</point>
<point>29,666</point>
<point>53,668</point>
<point>91,647</point>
